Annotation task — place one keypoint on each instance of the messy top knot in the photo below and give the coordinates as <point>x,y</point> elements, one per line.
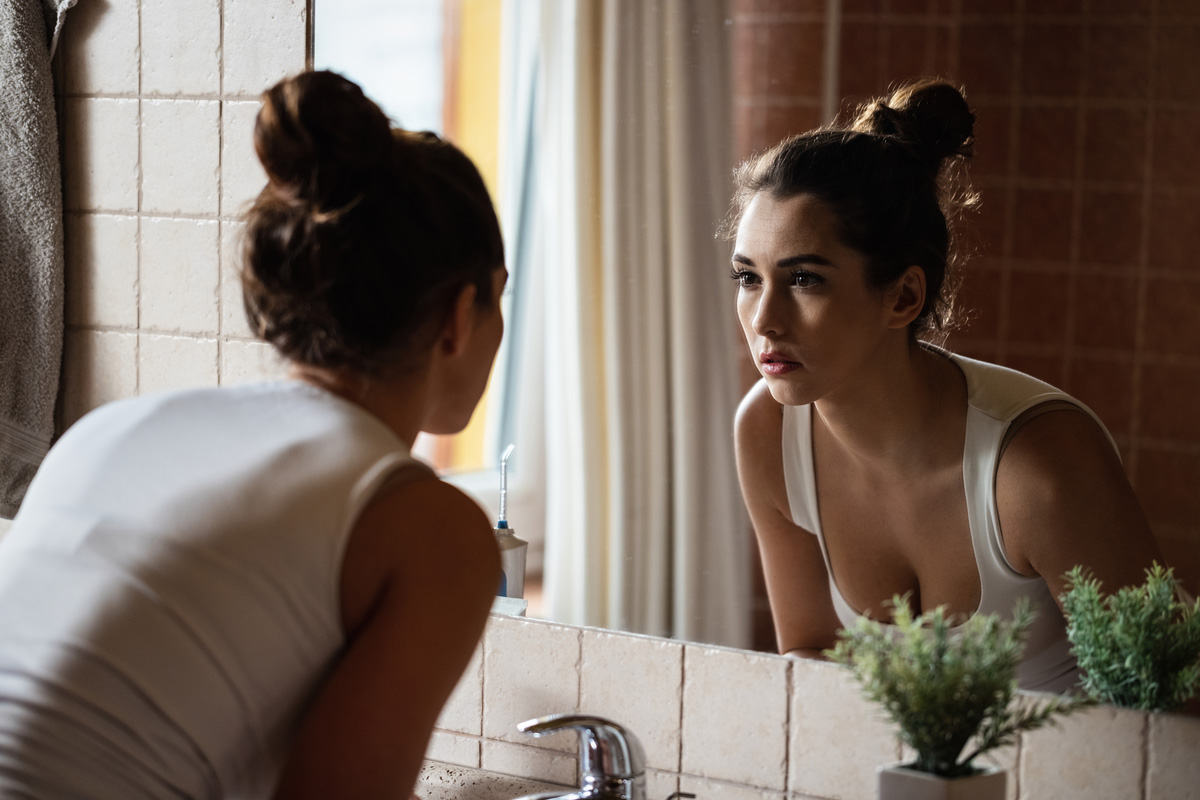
<point>891,178</point>
<point>364,234</point>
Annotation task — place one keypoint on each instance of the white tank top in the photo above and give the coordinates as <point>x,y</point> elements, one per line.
<point>995,397</point>
<point>169,591</point>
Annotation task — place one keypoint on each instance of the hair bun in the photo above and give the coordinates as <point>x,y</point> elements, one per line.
<point>931,115</point>
<point>319,138</point>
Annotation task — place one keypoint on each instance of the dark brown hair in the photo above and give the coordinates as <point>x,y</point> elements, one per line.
<point>890,179</point>
<point>364,234</point>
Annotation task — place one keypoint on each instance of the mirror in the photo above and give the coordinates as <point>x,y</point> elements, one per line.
<point>1088,164</point>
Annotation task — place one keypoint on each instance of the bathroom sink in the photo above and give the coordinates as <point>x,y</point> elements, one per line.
<point>440,781</point>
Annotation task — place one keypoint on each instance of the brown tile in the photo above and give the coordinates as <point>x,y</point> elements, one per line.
<point>1118,62</point>
<point>862,6</point>
<point>987,58</point>
<point>983,231</point>
<point>1042,367</point>
<point>1105,311</point>
<point>1037,306</point>
<point>1043,224</point>
<point>1172,322</point>
<point>989,7</point>
<point>910,52</point>
<point>784,121</point>
<point>981,350</point>
<point>991,140</point>
<point>778,58</point>
<point>1178,63</point>
<point>1176,160</point>
<point>1180,546</point>
<point>1180,8</point>
<point>778,6</point>
<point>1166,484</point>
<point>1106,387</point>
<point>1048,142</point>
<point>945,52</point>
<point>908,6</point>
<point>1168,393</point>
<point>1110,229</point>
<point>1114,145</point>
<point>978,304</point>
<point>1052,60</point>
<point>1041,8</point>
<point>1174,231</point>
<point>1123,8</point>
<point>860,60</point>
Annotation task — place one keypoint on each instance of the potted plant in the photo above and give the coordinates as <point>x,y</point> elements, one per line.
<point>950,691</point>
<point>1138,648</point>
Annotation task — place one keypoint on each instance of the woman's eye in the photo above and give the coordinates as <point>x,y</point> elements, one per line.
<point>805,280</point>
<point>743,277</point>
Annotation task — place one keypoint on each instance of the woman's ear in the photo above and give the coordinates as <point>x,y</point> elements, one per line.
<point>460,322</point>
<point>906,298</point>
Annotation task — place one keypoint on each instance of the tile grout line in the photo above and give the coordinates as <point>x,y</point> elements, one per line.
<point>221,194</point>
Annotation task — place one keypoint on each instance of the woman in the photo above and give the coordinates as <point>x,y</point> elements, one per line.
<point>872,463</point>
<point>256,592</point>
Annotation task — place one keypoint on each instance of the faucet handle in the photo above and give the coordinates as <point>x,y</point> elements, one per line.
<point>606,750</point>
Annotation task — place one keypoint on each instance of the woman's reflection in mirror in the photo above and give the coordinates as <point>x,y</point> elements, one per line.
<point>874,463</point>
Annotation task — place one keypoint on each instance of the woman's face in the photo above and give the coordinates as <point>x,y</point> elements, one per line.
<point>812,323</point>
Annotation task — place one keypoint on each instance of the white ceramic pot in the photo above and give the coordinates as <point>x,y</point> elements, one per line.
<point>899,782</point>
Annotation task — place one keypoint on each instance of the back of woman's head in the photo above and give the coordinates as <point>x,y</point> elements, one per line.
<point>364,235</point>
<point>888,176</point>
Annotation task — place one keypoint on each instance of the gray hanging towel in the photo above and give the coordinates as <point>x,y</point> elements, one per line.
<point>31,242</point>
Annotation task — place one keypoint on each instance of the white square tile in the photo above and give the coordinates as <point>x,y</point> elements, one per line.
<point>102,270</point>
<point>179,268</point>
<point>233,313</point>
<point>735,707</point>
<point>181,152</point>
<point>100,154</point>
<point>721,790</point>
<point>463,712</point>
<point>99,367</point>
<point>838,737</point>
<point>451,749</point>
<point>250,362</point>
<point>181,47</point>
<point>265,40</point>
<point>1174,768</point>
<point>530,669</point>
<point>1099,752</point>
<point>636,681</point>
<point>99,43</point>
<point>531,762</point>
<point>175,362</point>
<point>242,176</point>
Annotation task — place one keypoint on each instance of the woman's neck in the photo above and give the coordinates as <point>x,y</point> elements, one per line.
<point>398,404</point>
<point>906,411</point>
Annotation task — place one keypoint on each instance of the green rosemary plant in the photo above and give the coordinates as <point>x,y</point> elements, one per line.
<point>1139,647</point>
<point>944,689</point>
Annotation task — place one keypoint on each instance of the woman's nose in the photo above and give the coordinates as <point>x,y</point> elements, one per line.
<point>769,315</point>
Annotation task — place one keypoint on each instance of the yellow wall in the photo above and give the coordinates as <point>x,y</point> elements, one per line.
<point>476,130</point>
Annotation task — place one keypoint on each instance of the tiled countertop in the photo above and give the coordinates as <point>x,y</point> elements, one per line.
<point>440,781</point>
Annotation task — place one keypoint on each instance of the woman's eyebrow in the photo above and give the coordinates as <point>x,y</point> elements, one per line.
<point>790,261</point>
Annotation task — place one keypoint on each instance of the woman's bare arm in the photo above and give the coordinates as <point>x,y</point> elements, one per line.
<point>420,572</point>
<point>797,582</point>
<point>1064,499</point>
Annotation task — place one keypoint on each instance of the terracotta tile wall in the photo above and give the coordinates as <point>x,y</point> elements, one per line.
<point>1088,161</point>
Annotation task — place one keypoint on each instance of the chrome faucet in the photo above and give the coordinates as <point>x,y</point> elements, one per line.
<point>612,764</point>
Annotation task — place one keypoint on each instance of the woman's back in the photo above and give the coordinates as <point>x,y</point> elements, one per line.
<point>169,593</point>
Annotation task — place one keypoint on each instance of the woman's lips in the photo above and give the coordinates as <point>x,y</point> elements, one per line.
<point>774,364</point>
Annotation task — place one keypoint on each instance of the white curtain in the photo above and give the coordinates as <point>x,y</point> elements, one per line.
<point>616,160</point>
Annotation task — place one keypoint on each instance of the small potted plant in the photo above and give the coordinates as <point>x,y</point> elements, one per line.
<point>950,693</point>
<point>1139,647</point>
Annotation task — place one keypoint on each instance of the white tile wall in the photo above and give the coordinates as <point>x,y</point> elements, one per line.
<point>264,41</point>
<point>158,109</point>
<point>100,158</point>
<point>535,670</point>
<point>735,730</point>
<point>1100,752</point>
<point>181,47</point>
<point>102,270</point>
<point>181,157</point>
<point>1174,755</point>
<point>100,45</point>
